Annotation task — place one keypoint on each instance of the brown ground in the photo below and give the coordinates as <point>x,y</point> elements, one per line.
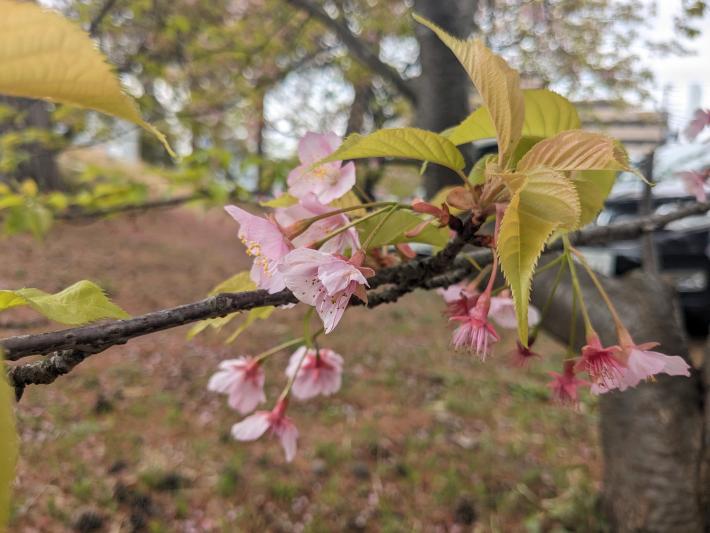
<point>419,439</point>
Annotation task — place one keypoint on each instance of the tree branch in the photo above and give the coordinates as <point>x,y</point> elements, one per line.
<point>71,346</point>
<point>99,17</point>
<point>358,48</point>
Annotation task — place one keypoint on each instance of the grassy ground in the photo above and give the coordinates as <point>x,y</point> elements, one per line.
<point>419,439</point>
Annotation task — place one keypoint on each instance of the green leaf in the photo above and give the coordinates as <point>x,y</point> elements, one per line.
<point>593,187</point>
<point>258,313</point>
<point>496,82</point>
<point>239,282</point>
<point>9,446</point>
<point>392,232</point>
<point>546,201</point>
<point>285,200</point>
<point>546,114</point>
<point>405,143</point>
<point>576,150</point>
<point>78,304</point>
<point>45,56</point>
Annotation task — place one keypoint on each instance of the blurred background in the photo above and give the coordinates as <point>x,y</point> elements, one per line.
<point>420,438</point>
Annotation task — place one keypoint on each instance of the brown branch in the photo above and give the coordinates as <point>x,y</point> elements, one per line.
<point>99,17</point>
<point>71,346</point>
<point>358,48</point>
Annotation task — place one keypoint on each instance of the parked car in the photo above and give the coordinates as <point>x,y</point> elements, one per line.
<point>682,248</point>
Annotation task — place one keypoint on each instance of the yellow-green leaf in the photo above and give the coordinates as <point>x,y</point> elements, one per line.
<point>239,282</point>
<point>77,304</point>
<point>547,201</point>
<point>399,222</point>
<point>405,143</point>
<point>496,82</point>
<point>258,313</point>
<point>43,55</point>
<point>546,114</point>
<point>593,187</point>
<point>576,150</point>
<point>8,446</point>
<point>285,200</point>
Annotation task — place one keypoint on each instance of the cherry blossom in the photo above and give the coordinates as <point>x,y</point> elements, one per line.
<point>603,366</point>
<point>701,119</point>
<point>475,332</point>
<point>503,312</point>
<point>328,181</point>
<point>264,241</point>
<point>319,373</point>
<point>325,281</point>
<point>276,422</point>
<point>309,207</point>
<point>564,386</point>
<point>460,298</point>
<point>242,379</point>
<point>643,363</point>
<point>694,183</point>
<point>522,355</point>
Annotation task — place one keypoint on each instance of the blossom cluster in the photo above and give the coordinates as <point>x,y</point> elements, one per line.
<point>311,246</point>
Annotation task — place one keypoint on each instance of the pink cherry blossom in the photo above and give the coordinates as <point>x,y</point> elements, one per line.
<point>264,241</point>
<point>475,332</point>
<point>522,356</point>
<point>642,363</point>
<point>275,421</point>
<point>701,119</point>
<point>603,365</point>
<point>460,299</point>
<point>242,379</point>
<point>325,281</point>
<point>317,374</point>
<point>309,207</point>
<point>328,181</point>
<point>694,183</point>
<point>503,312</point>
<point>564,386</point>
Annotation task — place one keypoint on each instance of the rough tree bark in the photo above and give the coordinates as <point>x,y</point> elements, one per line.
<point>651,436</point>
<point>443,87</point>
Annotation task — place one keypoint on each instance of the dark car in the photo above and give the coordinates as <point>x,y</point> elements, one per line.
<point>682,248</point>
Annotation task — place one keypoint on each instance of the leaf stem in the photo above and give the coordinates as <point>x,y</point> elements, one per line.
<point>577,287</point>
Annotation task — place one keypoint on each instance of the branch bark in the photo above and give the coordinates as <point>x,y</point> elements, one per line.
<point>357,48</point>
<point>71,346</point>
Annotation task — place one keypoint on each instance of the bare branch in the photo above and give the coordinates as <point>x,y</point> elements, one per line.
<point>358,48</point>
<point>71,346</point>
<point>99,17</point>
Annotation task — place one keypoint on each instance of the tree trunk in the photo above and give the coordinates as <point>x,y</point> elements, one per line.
<point>443,87</point>
<point>40,163</point>
<point>651,436</point>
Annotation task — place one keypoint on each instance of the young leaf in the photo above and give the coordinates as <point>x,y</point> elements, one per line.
<point>392,232</point>
<point>239,282</point>
<point>258,313</point>
<point>405,143</point>
<point>8,447</point>
<point>45,56</point>
<point>77,304</point>
<point>547,201</point>
<point>285,200</point>
<point>546,114</point>
<point>576,150</point>
<point>496,82</point>
<point>593,187</point>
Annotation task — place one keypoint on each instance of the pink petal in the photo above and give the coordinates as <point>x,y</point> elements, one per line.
<point>342,185</point>
<point>288,435</point>
<point>315,146</point>
<point>331,308</point>
<point>252,427</point>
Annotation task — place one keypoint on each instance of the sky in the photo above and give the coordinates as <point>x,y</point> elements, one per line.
<point>678,75</point>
